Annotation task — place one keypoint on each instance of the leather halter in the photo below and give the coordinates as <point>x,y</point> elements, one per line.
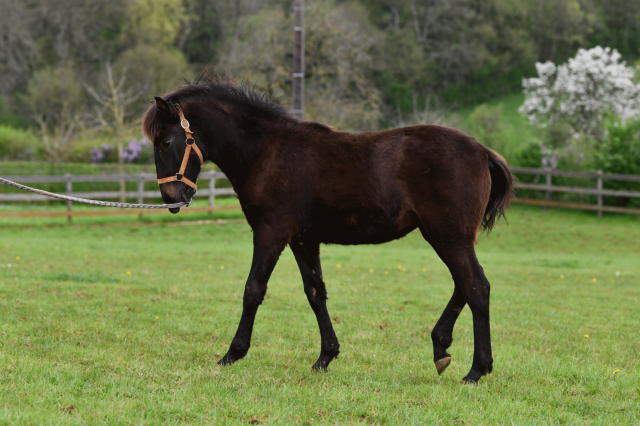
<point>191,145</point>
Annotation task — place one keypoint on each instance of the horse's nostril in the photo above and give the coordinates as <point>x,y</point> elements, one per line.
<point>186,195</point>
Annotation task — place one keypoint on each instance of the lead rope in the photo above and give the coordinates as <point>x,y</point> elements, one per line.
<point>180,177</point>
<point>94,202</point>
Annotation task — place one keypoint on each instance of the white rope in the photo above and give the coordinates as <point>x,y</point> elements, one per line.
<point>94,202</point>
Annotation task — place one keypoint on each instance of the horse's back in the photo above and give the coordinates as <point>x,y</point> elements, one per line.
<point>370,187</point>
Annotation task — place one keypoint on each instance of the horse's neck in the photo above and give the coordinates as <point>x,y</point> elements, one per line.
<point>236,158</point>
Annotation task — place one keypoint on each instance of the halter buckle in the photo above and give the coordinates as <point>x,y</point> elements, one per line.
<point>190,139</point>
<point>179,177</point>
<point>184,120</point>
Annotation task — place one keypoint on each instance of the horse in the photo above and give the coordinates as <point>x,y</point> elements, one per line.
<point>302,183</point>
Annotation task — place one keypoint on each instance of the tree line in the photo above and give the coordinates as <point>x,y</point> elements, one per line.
<point>76,71</point>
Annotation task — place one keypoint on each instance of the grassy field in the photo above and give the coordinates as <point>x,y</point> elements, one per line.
<point>105,324</point>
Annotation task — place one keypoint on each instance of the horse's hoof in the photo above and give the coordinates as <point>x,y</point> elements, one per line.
<point>472,378</point>
<point>319,368</point>
<point>469,381</point>
<point>442,364</point>
<point>225,361</point>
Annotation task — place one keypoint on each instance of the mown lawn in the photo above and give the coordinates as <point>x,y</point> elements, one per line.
<point>105,324</point>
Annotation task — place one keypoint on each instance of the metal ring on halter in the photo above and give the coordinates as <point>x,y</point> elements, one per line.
<point>179,176</point>
<point>182,123</point>
<point>192,141</point>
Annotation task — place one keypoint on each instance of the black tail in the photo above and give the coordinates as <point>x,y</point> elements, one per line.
<point>501,190</point>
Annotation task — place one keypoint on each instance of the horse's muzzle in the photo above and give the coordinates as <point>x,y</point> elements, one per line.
<point>176,192</point>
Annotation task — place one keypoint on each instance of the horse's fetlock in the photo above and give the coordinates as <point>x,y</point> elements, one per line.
<point>441,339</point>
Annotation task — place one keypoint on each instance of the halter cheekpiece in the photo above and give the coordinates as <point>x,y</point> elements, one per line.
<point>191,145</point>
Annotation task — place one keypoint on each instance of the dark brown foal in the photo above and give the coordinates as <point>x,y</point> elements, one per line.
<point>302,184</point>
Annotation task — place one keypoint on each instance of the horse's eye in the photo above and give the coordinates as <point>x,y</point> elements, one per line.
<point>165,143</point>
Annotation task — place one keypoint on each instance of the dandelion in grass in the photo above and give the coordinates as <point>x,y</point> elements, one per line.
<point>17,257</point>
<point>399,266</point>
<point>370,270</point>
<point>157,317</point>
<point>562,277</point>
<point>221,266</point>
<point>128,272</point>
<point>210,266</point>
<point>386,272</point>
<point>424,269</point>
<point>616,372</point>
<point>338,266</point>
<point>593,280</point>
<point>586,335</point>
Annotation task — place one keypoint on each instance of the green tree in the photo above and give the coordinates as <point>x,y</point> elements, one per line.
<point>339,51</point>
<point>56,101</point>
<point>155,22</point>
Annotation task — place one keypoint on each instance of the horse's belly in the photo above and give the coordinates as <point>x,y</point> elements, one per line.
<point>348,237</point>
<point>362,229</point>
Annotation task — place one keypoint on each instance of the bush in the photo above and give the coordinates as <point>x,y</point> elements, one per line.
<point>17,144</point>
<point>619,152</point>
<point>529,156</point>
<point>485,124</point>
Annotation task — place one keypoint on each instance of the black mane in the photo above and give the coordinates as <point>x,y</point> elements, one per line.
<point>222,88</point>
<point>216,88</point>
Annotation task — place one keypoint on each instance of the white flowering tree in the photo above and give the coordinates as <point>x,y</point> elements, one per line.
<point>582,92</point>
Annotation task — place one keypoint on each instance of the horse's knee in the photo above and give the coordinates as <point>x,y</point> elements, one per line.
<point>253,296</point>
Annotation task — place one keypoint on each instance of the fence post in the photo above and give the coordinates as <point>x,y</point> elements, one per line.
<point>599,172</point>
<point>212,188</point>
<point>69,191</point>
<point>140,191</point>
<point>547,195</point>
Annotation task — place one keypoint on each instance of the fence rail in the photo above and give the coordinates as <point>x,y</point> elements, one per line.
<point>598,191</point>
<point>211,191</point>
<point>140,194</point>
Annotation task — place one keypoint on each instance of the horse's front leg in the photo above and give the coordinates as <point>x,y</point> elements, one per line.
<point>307,255</point>
<point>267,247</point>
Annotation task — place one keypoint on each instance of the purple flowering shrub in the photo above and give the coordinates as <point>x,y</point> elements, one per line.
<point>105,153</point>
<point>136,151</point>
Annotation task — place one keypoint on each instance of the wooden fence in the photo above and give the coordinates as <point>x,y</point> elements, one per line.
<point>140,194</point>
<point>598,191</point>
<point>211,191</point>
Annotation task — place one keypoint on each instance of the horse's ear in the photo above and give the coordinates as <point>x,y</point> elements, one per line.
<point>163,106</point>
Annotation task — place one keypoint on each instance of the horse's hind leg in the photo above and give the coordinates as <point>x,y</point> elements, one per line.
<point>442,333</point>
<point>307,255</point>
<point>472,288</point>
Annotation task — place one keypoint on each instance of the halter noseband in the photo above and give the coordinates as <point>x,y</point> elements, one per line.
<point>191,144</point>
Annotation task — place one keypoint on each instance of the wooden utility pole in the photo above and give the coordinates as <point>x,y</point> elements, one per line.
<point>298,60</point>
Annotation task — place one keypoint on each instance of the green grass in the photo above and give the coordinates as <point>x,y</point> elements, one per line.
<point>126,323</point>
<point>510,115</point>
<point>519,130</point>
<point>130,218</point>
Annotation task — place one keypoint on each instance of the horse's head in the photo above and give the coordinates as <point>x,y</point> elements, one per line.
<point>178,158</point>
